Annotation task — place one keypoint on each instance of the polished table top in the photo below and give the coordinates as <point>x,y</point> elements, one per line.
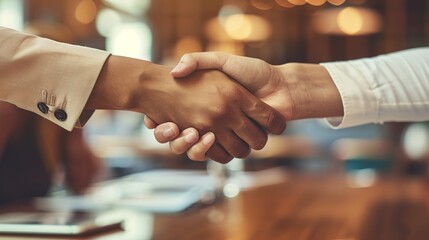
<point>303,207</point>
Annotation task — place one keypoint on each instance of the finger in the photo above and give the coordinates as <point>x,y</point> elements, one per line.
<point>186,139</point>
<point>218,154</point>
<point>233,144</point>
<point>267,117</point>
<point>166,132</point>
<point>198,61</point>
<point>149,123</point>
<point>198,151</point>
<point>250,133</point>
<point>252,73</point>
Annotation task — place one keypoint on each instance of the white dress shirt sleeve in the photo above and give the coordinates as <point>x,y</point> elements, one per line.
<point>387,88</point>
<point>36,71</point>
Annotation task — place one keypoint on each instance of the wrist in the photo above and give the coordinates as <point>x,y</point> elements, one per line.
<point>124,84</point>
<point>110,91</point>
<point>312,90</point>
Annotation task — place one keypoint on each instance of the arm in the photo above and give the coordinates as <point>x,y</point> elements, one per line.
<point>37,70</point>
<point>297,91</point>
<point>78,80</point>
<point>219,106</point>
<point>386,88</point>
<point>390,87</point>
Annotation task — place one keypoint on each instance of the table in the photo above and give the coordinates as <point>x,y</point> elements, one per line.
<point>303,207</point>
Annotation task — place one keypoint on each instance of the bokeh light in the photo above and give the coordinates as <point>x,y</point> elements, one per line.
<point>298,2</point>
<point>316,2</point>
<point>107,19</point>
<point>284,3</point>
<point>336,2</point>
<point>186,45</point>
<point>350,21</point>
<point>86,11</point>
<point>261,4</point>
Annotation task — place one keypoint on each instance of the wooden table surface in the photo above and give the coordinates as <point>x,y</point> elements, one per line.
<point>303,207</point>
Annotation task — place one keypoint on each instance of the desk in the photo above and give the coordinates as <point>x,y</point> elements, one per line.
<point>304,207</point>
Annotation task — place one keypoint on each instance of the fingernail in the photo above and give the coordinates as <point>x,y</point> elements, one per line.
<point>169,132</point>
<point>208,139</point>
<point>179,67</point>
<point>190,138</point>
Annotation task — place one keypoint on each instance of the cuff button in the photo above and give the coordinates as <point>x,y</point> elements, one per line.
<point>43,107</point>
<point>60,114</point>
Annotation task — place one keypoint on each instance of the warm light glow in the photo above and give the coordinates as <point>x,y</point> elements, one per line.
<point>297,2</point>
<point>316,2</point>
<point>347,21</point>
<point>186,45</point>
<point>336,2</point>
<point>241,27</point>
<point>215,31</point>
<point>247,27</point>
<point>350,20</point>
<point>228,47</point>
<point>238,27</point>
<point>261,4</point>
<point>284,3</point>
<point>86,11</point>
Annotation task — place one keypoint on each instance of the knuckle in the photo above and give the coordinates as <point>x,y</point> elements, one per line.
<point>197,153</point>
<point>233,92</point>
<point>175,149</point>
<point>274,123</point>
<point>242,126</point>
<point>269,119</point>
<point>202,123</point>
<point>262,141</point>
<point>225,160</point>
<point>219,157</point>
<point>195,156</point>
<point>220,109</point>
<point>244,152</point>
<point>217,111</point>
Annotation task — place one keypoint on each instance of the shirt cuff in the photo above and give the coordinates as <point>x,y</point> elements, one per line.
<point>360,103</point>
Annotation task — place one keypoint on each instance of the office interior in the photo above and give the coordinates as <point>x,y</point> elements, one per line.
<point>322,183</point>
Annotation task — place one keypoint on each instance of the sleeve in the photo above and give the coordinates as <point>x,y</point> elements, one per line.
<point>387,88</point>
<point>51,79</point>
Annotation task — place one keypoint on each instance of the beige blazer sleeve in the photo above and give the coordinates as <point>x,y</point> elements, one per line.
<point>51,79</point>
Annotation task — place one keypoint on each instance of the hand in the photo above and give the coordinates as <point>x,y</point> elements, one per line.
<point>222,107</point>
<point>206,100</point>
<point>261,78</point>
<point>314,93</point>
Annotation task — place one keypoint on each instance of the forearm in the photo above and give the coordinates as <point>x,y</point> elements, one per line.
<point>40,72</point>
<point>312,91</point>
<point>125,84</point>
<point>391,87</point>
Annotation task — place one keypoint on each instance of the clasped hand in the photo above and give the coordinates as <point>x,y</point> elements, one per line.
<point>211,102</point>
<point>233,108</point>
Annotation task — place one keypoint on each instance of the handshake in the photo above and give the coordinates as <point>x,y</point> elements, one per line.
<point>233,102</point>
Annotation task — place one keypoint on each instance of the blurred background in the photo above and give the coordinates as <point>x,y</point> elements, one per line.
<point>277,31</point>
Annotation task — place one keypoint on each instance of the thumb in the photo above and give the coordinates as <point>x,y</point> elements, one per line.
<point>187,65</point>
<point>191,62</point>
<point>252,73</point>
<point>149,123</point>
